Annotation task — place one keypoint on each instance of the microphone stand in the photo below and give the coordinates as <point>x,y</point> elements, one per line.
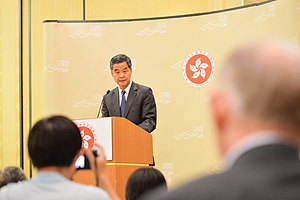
<point>101,105</point>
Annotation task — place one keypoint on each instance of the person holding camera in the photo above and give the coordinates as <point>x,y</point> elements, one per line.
<point>54,144</point>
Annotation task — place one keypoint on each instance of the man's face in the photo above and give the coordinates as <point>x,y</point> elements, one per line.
<point>121,74</point>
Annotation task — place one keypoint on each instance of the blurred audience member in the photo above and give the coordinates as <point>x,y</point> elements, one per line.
<point>142,181</point>
<point>1,179</point>
<point>54,144</point>
<point>12,174</point>
<point>257,113</point>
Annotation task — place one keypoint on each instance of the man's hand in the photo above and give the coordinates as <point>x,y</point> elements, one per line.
<point>98,165</point>
<point>101,168</point>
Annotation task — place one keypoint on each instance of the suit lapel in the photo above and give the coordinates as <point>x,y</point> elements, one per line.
<point>131,96</point>
<point>115,102</point>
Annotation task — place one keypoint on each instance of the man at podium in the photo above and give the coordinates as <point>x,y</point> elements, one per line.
<point>133,101</point>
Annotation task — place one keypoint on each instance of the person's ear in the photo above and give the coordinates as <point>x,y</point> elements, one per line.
<point>80,153</point>
<point>29,158</point>
<point>219,106</point>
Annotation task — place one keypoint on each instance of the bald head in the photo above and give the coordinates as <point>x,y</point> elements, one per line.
<point>262,79</point>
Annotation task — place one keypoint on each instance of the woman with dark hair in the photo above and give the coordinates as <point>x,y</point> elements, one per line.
<point>142,181</point>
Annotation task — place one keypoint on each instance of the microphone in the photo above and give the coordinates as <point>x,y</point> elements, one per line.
<point>108,91</point>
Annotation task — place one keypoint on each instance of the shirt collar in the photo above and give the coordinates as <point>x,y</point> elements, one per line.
<point>252,141</point>
<point>126,89</point>
<point>48,176</point>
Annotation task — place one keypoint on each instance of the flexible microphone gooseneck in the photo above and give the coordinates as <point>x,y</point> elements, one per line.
<point>108,91</point>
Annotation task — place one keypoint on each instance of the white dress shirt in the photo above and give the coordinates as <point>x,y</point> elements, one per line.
<point>126,92</point>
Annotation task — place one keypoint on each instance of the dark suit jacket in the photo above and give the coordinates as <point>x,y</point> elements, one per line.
<point>268,172</point>
<point>140,106</point>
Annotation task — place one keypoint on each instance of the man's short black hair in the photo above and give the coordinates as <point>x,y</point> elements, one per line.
<point>54,141</point>
<point>119,59</point>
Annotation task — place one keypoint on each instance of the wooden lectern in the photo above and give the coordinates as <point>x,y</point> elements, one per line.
<point>132,148</point>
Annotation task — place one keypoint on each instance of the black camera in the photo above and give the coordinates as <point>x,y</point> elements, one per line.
<point>83,162</point>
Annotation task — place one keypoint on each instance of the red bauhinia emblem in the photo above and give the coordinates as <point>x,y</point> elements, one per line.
<point>198,69</point>
<point>88,135</point>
